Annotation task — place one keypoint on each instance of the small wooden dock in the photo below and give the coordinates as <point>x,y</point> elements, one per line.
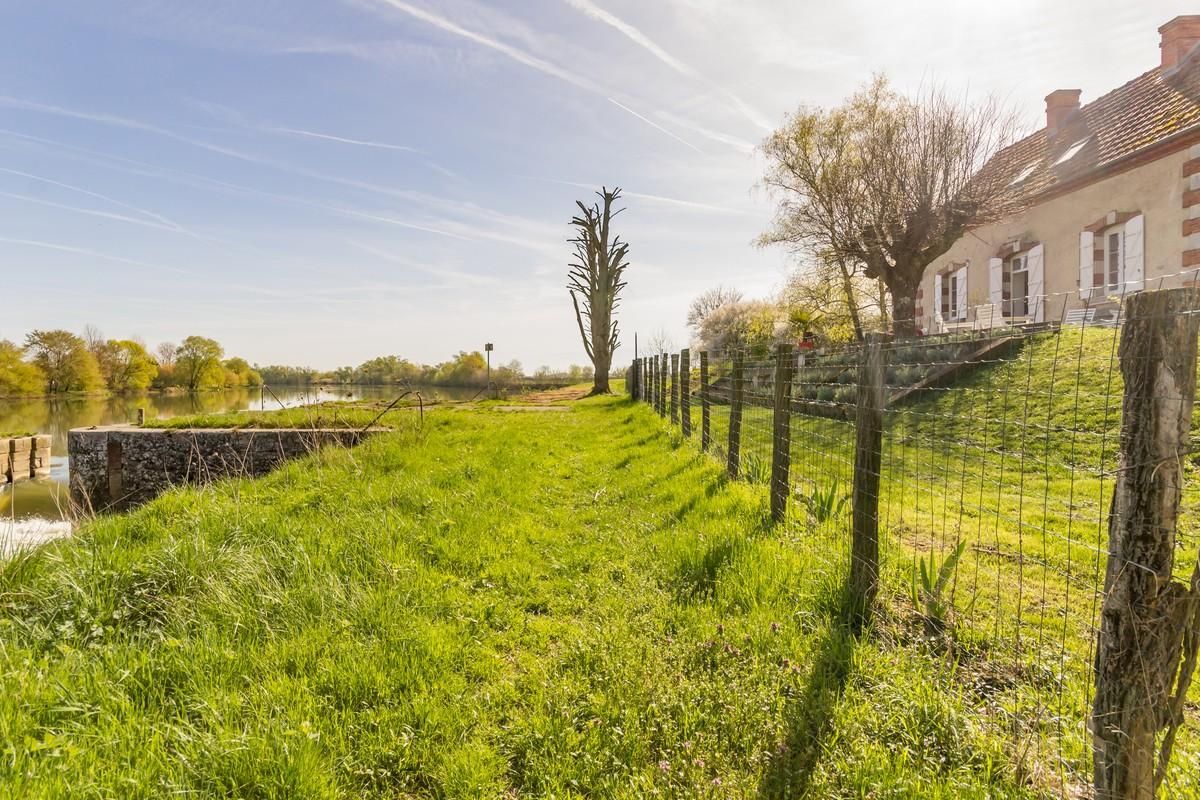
<point>24,457</point>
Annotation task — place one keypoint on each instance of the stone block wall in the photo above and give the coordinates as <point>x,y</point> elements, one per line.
<point>24,457</point>
<point>118,467</point>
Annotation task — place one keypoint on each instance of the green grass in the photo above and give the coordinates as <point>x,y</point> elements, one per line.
<point>1017,458</point>
<point>498,605</point>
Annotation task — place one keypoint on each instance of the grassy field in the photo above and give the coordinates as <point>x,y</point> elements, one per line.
<point>1016,459</point>
<point>499,605</point>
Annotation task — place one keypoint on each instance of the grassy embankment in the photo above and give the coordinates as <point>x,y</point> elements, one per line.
<point>502,604</point>
<point>1018,459</point>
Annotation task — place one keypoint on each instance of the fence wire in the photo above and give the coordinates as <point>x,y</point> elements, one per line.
<point>1000,454</point>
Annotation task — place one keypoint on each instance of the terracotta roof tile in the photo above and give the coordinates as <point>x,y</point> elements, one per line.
<point>1143,112</point>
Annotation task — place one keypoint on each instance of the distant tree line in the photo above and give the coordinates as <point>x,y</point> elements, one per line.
<point>57,361</point>
<point>52,362</point>
<point>464,369</point>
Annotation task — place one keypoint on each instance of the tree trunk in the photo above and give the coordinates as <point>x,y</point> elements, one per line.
<point>851,300</point>
<point>904,302</point>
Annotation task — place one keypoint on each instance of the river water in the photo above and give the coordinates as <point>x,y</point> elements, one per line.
<point>33,511</point>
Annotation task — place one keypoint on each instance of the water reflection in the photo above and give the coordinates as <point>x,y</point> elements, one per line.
<point>35,502</point>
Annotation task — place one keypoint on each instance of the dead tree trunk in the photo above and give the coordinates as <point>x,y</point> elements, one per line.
<point>1145,613</point>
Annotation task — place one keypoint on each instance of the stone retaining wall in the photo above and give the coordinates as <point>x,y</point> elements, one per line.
<point>119,466</point>
<point>24,457</point>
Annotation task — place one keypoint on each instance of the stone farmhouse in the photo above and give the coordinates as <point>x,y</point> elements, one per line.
<point>1111,205</point>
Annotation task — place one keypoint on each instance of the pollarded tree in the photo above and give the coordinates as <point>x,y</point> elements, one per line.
<point>595,281</point>
<point>885,184</point>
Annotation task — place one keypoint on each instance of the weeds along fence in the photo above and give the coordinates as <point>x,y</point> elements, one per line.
<point>1019,504</point>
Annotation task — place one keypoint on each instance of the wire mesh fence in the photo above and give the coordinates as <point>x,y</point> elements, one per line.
<point>1069,615</point>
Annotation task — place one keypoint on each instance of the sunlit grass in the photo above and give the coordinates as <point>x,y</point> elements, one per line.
<point>497,605</point>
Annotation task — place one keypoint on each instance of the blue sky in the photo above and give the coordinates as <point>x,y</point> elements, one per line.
<point>321,182</point>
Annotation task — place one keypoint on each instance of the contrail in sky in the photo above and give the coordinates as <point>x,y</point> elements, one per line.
<point>655,125</point>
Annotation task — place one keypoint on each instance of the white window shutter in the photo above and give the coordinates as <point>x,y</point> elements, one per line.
<point>996,281</point>
<point>1135,254</point>
<point>1035,263</point>
<point>1087,264</point>
<point>937,297</point>
<point>960,308</point>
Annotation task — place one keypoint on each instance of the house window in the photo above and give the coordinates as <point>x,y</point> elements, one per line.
<point>1015,287</point>
<point>1113,275</point>
<point>953,295</point>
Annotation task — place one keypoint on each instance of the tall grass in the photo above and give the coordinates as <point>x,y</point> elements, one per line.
<point>498,605</point>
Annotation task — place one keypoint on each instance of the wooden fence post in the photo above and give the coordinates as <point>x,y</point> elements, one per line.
<point>685,391</point>
<point>674,388</point>
<point>705,431</point>
<point>662,385</point>
<point>631,383</point>
<point>1145,613</point>
<point>734,450</point>
<point>868,461</point>
<point>781,435</point>
<point>654,383</point>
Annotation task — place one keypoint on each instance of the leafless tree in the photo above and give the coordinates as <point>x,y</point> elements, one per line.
<point>885,184</point>
<point>660,342</point>
<point>595,281</point>
<point>95,339</point>
<point>708,302</point>
<point>166,354</point>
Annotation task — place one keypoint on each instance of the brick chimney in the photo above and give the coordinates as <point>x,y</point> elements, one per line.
<point>1178,37</point>
<point>1060,105</point>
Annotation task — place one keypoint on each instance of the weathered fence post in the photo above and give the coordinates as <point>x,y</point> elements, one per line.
<point>868,460</point>
<point>781,434</point>
<point>685,390</point>
<point>734,450</point>
<point>662,385</point>
<point>674,388</point>
<point>654,371</point>
<point>1145,613</point>
<point>705,434</point>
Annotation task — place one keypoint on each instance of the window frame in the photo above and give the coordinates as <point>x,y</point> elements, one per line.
<point>948,302</point>
<point>1007,270</point>
<point>1109,286</point>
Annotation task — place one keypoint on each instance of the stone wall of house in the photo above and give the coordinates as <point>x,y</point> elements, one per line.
<point>117,467</point>
<point>1155,190</point>
<point>24,457</point>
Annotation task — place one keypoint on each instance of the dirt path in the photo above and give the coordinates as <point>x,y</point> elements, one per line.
<point>553,396</point>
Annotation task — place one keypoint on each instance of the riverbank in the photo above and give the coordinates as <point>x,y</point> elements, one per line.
<point>496,605</point>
